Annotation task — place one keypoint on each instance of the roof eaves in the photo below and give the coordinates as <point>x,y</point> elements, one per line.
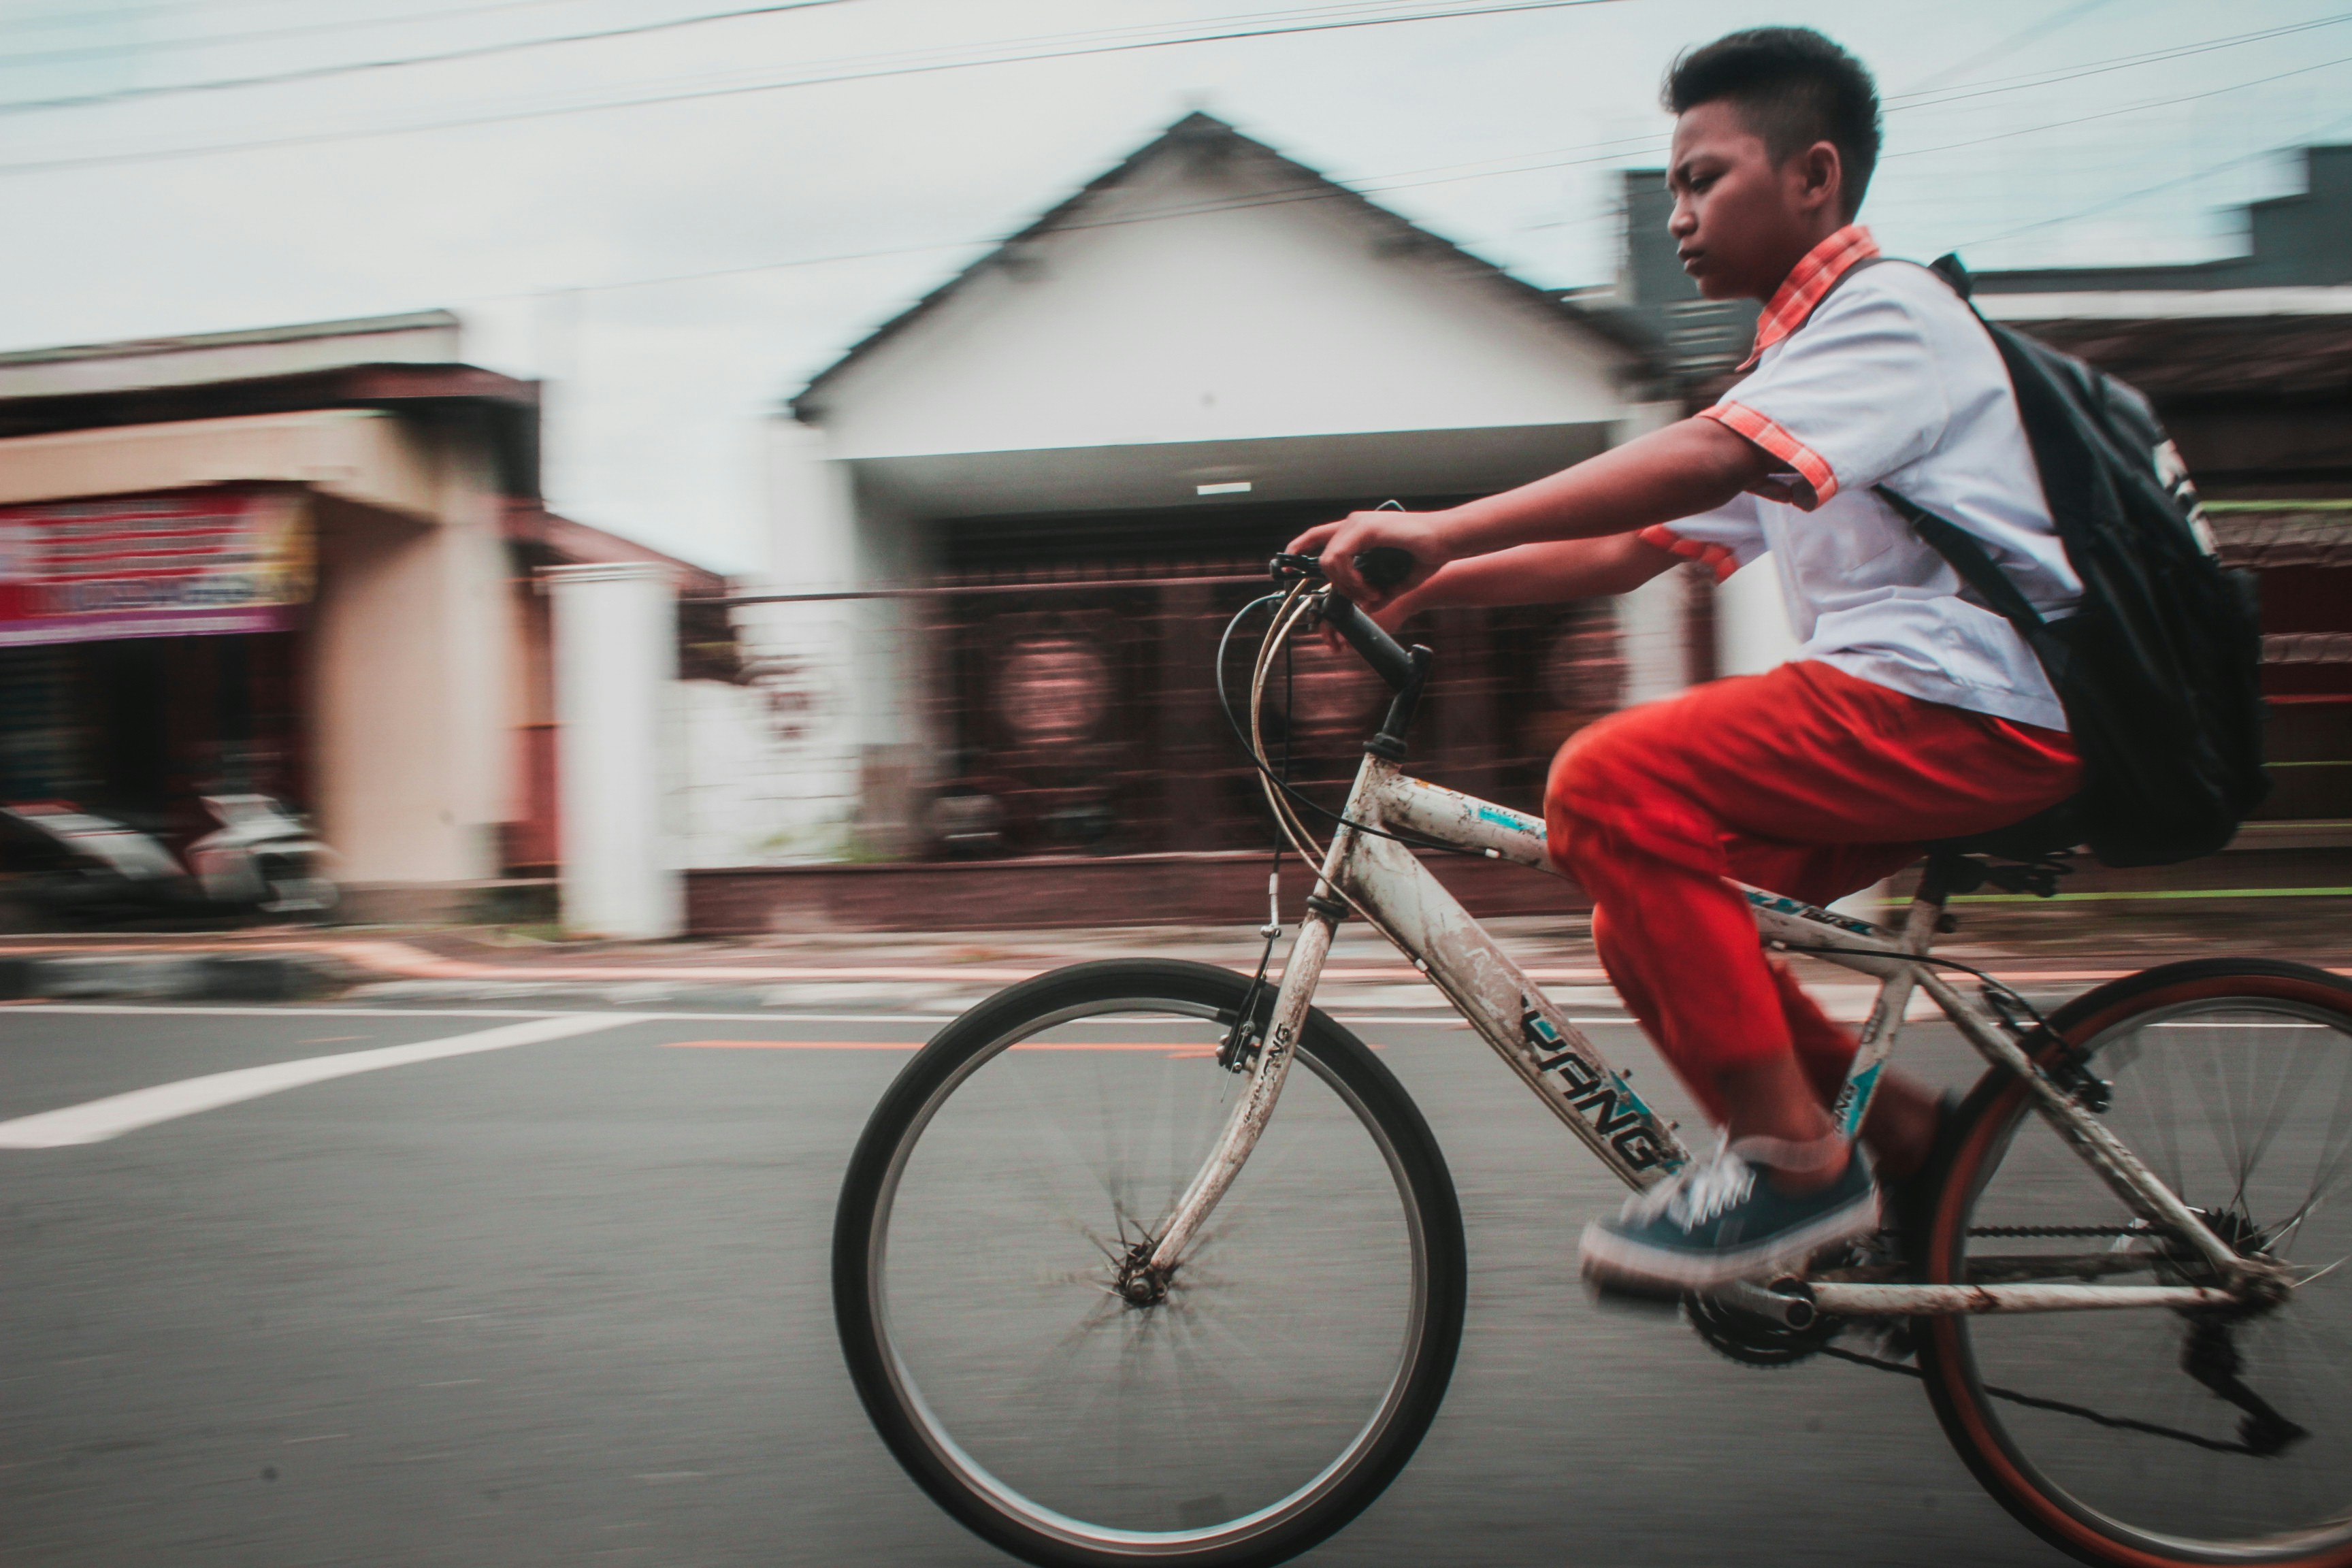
<point>1206,129</point>
<point>802,404</point>
<point>128,347</point>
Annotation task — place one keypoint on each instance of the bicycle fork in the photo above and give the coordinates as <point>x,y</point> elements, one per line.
<point>1301,970</point>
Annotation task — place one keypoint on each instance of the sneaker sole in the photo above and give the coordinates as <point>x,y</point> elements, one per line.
<point>1617,1267</point>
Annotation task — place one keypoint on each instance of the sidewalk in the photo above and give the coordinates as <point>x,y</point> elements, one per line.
<point>2048,949</point>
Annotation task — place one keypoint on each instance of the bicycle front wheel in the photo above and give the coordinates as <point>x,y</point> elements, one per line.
<point>1272,1391</point>
<point>2154,1436</point>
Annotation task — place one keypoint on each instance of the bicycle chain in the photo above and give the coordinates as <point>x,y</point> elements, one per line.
<point>2084,1231</point>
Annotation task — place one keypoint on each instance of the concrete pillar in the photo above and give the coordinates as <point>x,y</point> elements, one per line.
<point>411,727</point>
<point>615,658</point>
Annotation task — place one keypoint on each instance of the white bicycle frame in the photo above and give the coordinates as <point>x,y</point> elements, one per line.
<point>1384,880</point>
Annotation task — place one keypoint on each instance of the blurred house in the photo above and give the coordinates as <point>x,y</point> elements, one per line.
<point>296,560</point>
<point>1153,388</point>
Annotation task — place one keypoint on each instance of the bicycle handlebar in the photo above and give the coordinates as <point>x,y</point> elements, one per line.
<point>1388,658</point>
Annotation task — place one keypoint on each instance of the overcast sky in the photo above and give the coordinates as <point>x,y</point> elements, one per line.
<point>2036,132</point>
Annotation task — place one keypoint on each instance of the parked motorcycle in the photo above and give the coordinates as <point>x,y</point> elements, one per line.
<point>262,859</point>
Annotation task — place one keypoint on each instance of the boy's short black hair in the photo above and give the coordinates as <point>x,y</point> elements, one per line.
<point>1795,87</point>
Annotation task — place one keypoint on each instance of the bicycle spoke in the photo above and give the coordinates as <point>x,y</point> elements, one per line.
<point>2159,1090</point>
<point>2275,1116</point>
<point>1016,1229</point>
<point>2231,1429</point>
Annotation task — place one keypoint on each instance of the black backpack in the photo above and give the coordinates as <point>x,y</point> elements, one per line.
<point>2159,668</point>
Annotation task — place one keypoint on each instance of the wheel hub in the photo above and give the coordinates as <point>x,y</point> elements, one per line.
<point>1138,1283</point>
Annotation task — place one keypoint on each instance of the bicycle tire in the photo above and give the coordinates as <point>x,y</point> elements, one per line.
<point>935,1460</point>
<point>2063,1492</point>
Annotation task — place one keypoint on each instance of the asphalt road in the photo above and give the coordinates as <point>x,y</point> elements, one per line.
<point>567,1301</point>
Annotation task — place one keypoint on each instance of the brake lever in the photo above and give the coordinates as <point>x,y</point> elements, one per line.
<point>1383,566</point>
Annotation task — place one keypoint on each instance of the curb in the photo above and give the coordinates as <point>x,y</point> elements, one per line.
<point>207,977</point>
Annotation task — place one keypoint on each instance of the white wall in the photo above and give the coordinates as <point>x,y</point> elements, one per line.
<point>776,770</point>
<point>1652,619</point>
<point>1751,627</point>
<point>1289,318</point>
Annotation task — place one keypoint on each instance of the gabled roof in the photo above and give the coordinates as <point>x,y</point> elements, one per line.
<point>1193,133</point>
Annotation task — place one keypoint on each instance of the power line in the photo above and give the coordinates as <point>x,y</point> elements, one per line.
<point>1655,142</point>
<point>1095,42</point>
<point>2009,45</point>
<point>265,35</point>
<point>355,68</point>
<point>1378,184</point>
<point>1230,34</point>
<point>2177,180</point>
<point>2115,63</point>
<point>2134,108</point>
<point>120,13</point>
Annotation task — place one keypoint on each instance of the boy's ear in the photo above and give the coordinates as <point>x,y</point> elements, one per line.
<point>1822,174</point>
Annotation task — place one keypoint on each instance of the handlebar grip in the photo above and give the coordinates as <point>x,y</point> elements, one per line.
<point>1381,651</point>
<point>1383,566</point>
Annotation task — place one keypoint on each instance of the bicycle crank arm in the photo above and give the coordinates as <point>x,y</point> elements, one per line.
<point>1939,1301</point>
<point>1800,1306</point>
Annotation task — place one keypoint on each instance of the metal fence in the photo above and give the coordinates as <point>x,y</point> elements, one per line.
<point>1068,710</point>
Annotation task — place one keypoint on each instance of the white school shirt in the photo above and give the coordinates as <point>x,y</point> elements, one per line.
<point>1895,382</point>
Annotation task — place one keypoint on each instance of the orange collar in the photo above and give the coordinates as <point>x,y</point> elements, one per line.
<point>1812,278</point>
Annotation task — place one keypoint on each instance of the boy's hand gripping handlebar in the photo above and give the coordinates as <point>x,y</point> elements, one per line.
<point>1405,669</point>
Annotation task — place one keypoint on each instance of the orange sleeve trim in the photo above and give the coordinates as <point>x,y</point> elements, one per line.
<point>1716,558</point>
<point>1814,468</point>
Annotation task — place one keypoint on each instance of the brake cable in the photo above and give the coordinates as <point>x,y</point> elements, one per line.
<point>1239,1050</point>
<point>1258,761</point>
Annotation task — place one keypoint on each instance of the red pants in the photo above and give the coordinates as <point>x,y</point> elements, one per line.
<point>1805,781</point>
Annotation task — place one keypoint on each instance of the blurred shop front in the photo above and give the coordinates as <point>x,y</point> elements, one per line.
<point>298,562</point>
<point>149,651</point>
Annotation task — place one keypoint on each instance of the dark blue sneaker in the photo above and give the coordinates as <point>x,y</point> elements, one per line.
<point>1722,1220</point>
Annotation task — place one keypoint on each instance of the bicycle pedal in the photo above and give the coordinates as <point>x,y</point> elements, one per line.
<point>1638,1295</point>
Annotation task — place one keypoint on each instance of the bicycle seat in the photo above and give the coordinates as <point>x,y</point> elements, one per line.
<point>2043,834</point>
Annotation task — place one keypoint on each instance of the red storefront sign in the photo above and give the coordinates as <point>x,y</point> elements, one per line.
<point>184,564</point>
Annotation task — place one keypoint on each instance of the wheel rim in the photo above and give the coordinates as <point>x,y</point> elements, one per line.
<point>2243,1104</point>
<point>1280,1355</point>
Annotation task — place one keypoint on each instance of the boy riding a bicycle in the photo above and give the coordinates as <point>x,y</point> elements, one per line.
<point>1911,713</point>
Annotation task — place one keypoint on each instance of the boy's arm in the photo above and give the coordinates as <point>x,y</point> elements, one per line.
<point>1548,573</point>
<point>1685,468</point>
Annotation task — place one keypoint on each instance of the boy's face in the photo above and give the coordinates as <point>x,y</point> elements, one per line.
<point>1740,221</point>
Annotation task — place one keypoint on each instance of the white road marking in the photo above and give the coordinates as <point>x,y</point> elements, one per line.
<point>95,1120</point>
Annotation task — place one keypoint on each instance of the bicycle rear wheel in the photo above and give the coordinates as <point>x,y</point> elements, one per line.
<point>1298,1356</point>
<point>2154,1436</point>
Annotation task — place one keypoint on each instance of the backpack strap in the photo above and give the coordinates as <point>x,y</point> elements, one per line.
<point>1953,543</point>
<point>1968,558</point>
